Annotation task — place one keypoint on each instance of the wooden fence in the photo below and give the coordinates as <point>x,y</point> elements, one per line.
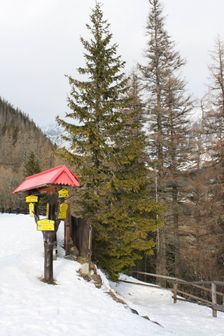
<point>184,290</point>
<point>23,211</point>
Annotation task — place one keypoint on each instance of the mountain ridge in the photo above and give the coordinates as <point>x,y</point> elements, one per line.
<point>19,136</point>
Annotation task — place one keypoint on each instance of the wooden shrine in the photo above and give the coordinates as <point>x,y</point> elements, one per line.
<point>50,188</point>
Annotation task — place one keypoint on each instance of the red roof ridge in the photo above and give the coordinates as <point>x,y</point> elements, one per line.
<point>46,171</point>
<point>70,174</point>
<point>59,175</point>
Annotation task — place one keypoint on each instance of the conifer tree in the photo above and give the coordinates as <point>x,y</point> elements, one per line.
<point>213,105</point>
<point>95,105</point>
<point>111,197</point>
<point>129,207</point>
<point>213,127</point>
<point>167,111</point>
<point>31,165</point>
<point>213,135</point>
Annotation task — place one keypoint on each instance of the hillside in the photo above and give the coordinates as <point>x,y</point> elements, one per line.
<point>19,136</point>
<point>75,307</point>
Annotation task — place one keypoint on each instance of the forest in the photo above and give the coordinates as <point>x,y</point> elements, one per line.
<point>152,179</point>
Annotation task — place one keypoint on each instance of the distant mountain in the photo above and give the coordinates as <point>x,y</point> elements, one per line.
<point>53,132</point>
<point>19,136</point>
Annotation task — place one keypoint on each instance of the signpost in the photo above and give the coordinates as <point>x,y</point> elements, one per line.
<point>45,225</point>
<point>53,184</point>
<point>31,199</point>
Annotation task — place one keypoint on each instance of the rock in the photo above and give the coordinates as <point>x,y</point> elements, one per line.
<point>84,269</point>
<point>97,280</point>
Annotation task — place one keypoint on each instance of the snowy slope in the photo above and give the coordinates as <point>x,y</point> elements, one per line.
<point>74,307</point>
<point>182,318</point>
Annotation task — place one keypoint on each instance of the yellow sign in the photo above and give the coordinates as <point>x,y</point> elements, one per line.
<point>63,193</point>
<point>31,209</point>
<point>45,225</point>
<point>63,211</point>
<point>31,199</point>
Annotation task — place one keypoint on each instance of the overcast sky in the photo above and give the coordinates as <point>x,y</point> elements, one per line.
<point>40,43</point>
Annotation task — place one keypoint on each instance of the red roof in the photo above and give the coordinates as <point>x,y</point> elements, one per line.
<point>60,175</point>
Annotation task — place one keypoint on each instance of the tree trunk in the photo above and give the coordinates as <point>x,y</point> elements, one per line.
<point>161,256</point>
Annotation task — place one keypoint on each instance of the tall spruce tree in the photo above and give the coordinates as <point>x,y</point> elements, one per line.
<point>95,104</point>
<point>114,197</point>
<point>130,210</point>
<point>167,113</point>
<point>31,165</point>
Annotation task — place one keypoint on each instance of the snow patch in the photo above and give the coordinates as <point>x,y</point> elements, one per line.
<point>29,307</point>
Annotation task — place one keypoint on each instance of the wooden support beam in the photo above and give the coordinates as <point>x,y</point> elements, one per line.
<point>67,232</point>
<point>214,299</point>
<point>141,284</point>
<point>49,241</point>
<point>194,297</point>
<point>48,256</point>
<point>175,285</point>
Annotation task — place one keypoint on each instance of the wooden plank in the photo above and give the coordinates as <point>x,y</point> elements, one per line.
<point>181,281</point>
<point>219,283</point>
<point>207,289</point>
<point>140,284</point>
<point>218,307</point>
<point>197,286</point>
<point>193,296</point>
<point>203,288</point>
<point>156,275</point>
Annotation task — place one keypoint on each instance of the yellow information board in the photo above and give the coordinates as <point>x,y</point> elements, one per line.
<point>31,199</point>
<point>45,225</point>
<point>63,211</point>
<point>63,193</point>
<point>31,209</point>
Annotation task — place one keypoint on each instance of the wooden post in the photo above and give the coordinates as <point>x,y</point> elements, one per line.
<point>90,244</point>
<point>214,301</point>
<point>55,247</point>
<point>67,232</point>
<point>48,256</point>
<point>49,241</point>
<point>175,285</point>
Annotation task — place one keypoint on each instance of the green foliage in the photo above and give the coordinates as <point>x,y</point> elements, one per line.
<point>31,165</point>
<point>107,148</point>
<point>127,215</point>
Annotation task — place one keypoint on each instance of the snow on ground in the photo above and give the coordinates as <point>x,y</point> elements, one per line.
<point>180,319</point>
<point>74,307</point>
